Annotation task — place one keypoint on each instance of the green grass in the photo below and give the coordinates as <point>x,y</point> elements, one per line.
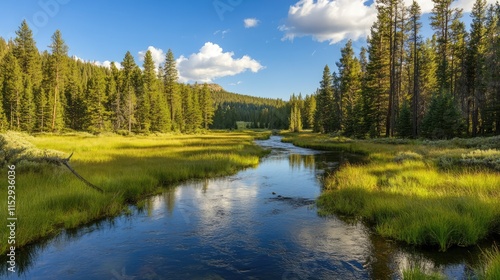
<point>490,268</point>
<point>50,198</point>
<point>406,194</point>
<point>418,274</point>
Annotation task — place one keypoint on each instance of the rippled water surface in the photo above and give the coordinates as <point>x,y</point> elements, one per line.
<point>258,224</point>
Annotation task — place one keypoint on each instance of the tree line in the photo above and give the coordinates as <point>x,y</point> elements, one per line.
<point>51,92</point>
<point>403,85</point>
<point>258,112</point>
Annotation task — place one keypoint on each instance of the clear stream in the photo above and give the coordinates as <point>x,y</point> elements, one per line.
<point>261,223</point>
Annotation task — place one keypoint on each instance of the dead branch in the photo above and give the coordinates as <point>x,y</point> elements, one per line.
<point>65,161</point>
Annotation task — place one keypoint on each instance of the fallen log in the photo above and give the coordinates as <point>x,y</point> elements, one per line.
<point>65,162</point>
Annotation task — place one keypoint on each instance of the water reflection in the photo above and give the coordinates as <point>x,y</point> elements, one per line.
<point>259,223</point>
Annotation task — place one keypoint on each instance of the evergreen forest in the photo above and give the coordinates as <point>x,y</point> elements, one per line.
<point>51,92</point>
<point>404,85</point>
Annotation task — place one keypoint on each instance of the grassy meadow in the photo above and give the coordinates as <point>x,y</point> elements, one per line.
<point>426,193</point>
<point>50,198</point>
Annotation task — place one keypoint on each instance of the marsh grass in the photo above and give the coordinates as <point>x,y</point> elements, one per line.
<point>404,192</point>
<point>50,198</point>
<point>490,265</point>
<point>417,273</point>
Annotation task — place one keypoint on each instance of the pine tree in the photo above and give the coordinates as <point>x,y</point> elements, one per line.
<point>350,90</point>
<point>207,106</point>
<point>171,90</point>
<point>149,90</point>
<point>415,25</point>
<point>4,48</point>
<point>42,109</point>
<point>404,125</point>
<point>96,115</point>
<point>476,65</point>
<point>443,118</point>
<point>492,68</point>
<point>160,113</point>
<point>116,97</point>
<point>309,111</point>
<point>12,88</point>
<point>75,110</point>
<point>295,119</point>
<point>390,22</point>
<point>28,110</point>
<point>441,19</point>
<point>376,86</point>
<point>192,116</point>
<point>25,50</point>
<point>428,75</point>
<point>27,54</point>
<point>58,62</point>
<point>186,105</point>
<point>458,67</point>
<point>127,88</point>
<point>324,100</point>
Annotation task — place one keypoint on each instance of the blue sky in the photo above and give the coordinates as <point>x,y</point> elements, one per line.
<point>267,48</point>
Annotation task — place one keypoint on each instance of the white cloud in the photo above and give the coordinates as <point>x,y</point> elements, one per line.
<point>336,20</point>
<point>235,84</point>
<point>468,4</point>
<point>157,54</point>
<point>251,22</point>
<point>211,63</point>
<point>427,5</point>
<point>107,64</point>
<point>329,20</point>
<point>222,32</point>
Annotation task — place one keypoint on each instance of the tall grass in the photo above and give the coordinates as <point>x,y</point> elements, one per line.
<point>490,268</point>
<point>417,274</point>
<point>50,198</point>
<point>406,194</point>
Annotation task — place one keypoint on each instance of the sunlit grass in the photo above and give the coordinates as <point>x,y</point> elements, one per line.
<point>50,198</point>
<point>407,195</point>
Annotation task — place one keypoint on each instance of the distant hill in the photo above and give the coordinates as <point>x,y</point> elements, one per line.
<point>258,112</point>
<point>212,87</point>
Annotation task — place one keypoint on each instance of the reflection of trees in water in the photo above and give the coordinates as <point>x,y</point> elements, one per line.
<point>389,259</point>
<point>302,161</point>
<point>150,205</point>
<point>169,198</point>
<point>25,259</point>
<point>205,185</point>
<point>27,256</point>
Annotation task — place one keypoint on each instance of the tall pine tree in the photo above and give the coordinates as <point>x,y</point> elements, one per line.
<point>58,65</point>
<point>476,66</point>
<point>12,89</point>
<point>129,101</point>
<point>171,90</point>
<point>349,103</point>
<point>324,101</point>
<point>207,106</point>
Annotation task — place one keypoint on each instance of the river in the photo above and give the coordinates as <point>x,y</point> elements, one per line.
<point>260,223</point>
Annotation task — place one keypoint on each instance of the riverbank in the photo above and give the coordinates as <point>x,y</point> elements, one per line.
<point>437,194</point>
<point>50,198</point>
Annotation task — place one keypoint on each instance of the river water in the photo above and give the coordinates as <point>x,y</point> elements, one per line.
<point>260,223</point>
